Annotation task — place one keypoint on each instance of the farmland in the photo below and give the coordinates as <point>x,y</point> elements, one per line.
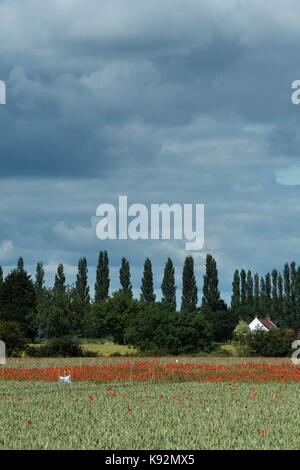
<point>150,403</point>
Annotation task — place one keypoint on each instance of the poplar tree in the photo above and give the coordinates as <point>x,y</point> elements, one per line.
<point>20,265</point>
<point>243,287</point>
<point>147,294</point>
<point>280,314</point>
<point>81,286</point>
<point>287,294</point>
<point>124,275</point>
<point>39,276</point>
<point>59,288</point>
<point>168,284</point>
<point>236,294</point>
<point>189,296</point>
<point>262,298</point>
<point>211,300</point>
<point>268,301</point>
<point>102,278</point>
<point>256,300</point>
<point>249,290</point>
<point>293,272</point>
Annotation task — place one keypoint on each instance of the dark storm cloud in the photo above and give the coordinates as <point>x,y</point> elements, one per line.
<point>162,101</point>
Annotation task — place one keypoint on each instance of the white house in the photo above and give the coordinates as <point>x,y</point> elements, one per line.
<point>264,324</point>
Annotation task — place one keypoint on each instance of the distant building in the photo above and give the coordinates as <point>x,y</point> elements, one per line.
<point>264,324</point>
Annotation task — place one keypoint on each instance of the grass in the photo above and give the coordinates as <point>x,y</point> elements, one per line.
<point>208,417</point>
<point>102,348</point>
<point>108,349</point>
<point>155,416</point>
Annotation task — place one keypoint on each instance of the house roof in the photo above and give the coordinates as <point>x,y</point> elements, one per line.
<point>267,323</point>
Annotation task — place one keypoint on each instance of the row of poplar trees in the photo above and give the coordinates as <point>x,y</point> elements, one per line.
<point>46,312</point>
<point>275,295</point>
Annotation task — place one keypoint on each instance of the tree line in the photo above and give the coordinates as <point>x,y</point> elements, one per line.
<point>43,312</point>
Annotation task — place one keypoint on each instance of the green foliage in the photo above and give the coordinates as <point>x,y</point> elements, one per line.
<point>241,332</point>
<point>124,275</point>
<point>147,291</point>
<point>236,294</point>
<point>118,310</point>
<point>19,301</point>
<point>241,335</point>
<point>102,278</point>
<point>64,346</point>
<point>94,324</point>
<point>13,337</point>
<point>159,328</point>
<point>211,300</point>
<point>189,296</point>
<point>274,343</point>
<point>81,287</point>
<point>168,287</point>
<point>223,323</point>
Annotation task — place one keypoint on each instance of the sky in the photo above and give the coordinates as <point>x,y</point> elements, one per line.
<point>163,101</point>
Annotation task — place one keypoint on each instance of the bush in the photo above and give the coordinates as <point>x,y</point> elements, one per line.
<point>223,323</point>
<point>275,343</point>
<point>65,346</point>
<point>13,337</point>
<point>158,328</point>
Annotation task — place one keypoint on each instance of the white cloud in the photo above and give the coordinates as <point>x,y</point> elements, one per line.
<point>289,176</point>
<point>6,249</point>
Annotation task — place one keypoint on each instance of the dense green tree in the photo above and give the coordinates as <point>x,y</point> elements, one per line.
<point>59,288</point>
<point>275,295</point>
<point>189,296</point>
<point>147,291</point>
<point>293,273</point>
<point>262,298</point>
<point>268,301</point>
<point>287,296</point>
<point>102,278</point>
<point>256,302</point>
<point>211,301</point>
<point>249,291</point>
<point>168,284</point>
<point>118,310</point>
<point>223,323</point>
<point>275,343</point>
<point>14,338</point>
<point>20,265</point>
<point>243,287</point>
<point>39,277</point>
<point>158,329</point>
<point>94,324</point>
<point>125,277</point>
<point>19,301</point>
<point>81,286</point>
<point>236,294</point>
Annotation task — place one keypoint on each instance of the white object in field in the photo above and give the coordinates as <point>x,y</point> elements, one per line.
<point>65,380</point>
<point>177,360</point>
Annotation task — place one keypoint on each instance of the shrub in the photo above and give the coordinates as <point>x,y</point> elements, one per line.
<point>13,337</point>
<point>275,343</point>
<point>158,328</point>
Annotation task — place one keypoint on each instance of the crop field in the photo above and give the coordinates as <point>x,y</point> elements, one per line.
<point>150,403</point>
